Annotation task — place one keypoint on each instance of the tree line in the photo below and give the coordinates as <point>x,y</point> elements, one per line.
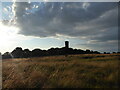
<point>26,53</point>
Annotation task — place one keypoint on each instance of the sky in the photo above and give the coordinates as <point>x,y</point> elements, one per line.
<point>86,25</point>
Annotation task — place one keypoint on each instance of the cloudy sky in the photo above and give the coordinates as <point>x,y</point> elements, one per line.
<point>87,25</point>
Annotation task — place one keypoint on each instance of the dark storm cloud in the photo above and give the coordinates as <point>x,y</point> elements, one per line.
<point>95,21</point>
<point>83,12</point>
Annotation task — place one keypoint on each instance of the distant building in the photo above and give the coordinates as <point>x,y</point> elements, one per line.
<point>66,44</point>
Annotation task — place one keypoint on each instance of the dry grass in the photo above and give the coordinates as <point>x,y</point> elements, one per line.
<point>74,71</point>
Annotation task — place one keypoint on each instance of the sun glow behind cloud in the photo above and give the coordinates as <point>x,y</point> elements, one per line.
<point>7,34</point>
<point>9,37</point>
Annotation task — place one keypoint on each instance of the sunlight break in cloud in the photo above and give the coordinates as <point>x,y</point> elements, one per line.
<point>9,37</point>
<point>7,34</point>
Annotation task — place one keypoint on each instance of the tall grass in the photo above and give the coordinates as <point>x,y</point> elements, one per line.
<point>74,71</point>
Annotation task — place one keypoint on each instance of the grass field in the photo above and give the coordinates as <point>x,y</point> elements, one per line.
<point>73,71</point>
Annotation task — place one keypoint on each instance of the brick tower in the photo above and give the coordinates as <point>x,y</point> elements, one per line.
<point>66,44</point>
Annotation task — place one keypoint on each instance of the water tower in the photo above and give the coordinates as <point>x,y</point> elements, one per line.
<point>66,44</point>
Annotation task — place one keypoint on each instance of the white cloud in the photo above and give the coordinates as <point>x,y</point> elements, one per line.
<point>5,9</point>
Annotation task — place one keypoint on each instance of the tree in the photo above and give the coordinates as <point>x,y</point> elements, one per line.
<point>6,55</point>
<point>17,53</point>
<point>0,56</point>
<point>104,52</point>
<point>87,51</point>
<point>36,53</point>
<point>26,53</point>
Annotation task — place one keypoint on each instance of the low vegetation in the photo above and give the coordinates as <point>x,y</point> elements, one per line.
<point>73,71</point>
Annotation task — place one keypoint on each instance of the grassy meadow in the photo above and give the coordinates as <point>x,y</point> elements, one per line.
<point>73,71</point>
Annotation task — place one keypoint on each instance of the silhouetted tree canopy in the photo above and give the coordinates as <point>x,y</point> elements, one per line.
<point>37,53</point>
<point>17,53</point>
<point>26,53</point>
<point>6,55</point>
